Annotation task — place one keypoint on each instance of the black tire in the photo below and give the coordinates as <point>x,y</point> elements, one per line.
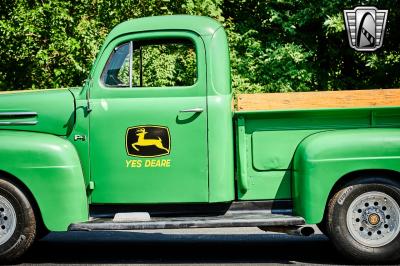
<point>339,232</point>
<point>25,228</point>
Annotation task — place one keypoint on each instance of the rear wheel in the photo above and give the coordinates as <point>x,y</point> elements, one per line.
<point>363,221</point>
<point>17,222</point>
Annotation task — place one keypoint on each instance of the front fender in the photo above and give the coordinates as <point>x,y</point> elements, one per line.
<point>50,168</point>
<point>323,158</point>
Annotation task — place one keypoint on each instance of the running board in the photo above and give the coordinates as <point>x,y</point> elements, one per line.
<point>230,219</point>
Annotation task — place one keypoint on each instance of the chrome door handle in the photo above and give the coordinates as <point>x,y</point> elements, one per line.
<point>193,110</point>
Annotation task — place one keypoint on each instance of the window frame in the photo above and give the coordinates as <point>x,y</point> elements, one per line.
<point>99,91</point>
<point>142,43</point>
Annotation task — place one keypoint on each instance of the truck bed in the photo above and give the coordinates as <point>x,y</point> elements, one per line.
<point>271,126</point>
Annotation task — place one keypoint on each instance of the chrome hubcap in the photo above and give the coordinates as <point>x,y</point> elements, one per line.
<point>8,220</point>
<point>373,219</point>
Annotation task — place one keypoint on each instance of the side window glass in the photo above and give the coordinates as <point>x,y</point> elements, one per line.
<point>161,63</point>
<point>116,72</point>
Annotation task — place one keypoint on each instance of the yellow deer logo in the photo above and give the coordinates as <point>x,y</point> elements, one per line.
<point>141,132</point>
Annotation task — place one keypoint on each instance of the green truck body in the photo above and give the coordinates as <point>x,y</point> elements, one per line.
<point>71,149</point>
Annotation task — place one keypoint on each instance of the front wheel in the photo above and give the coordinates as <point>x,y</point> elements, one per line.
<point>17,222</point>
<point>363,222</point>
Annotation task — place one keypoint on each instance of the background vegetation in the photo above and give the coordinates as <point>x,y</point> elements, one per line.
<point>276,45</point>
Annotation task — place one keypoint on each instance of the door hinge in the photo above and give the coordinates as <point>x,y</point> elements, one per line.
<point>91,185</point>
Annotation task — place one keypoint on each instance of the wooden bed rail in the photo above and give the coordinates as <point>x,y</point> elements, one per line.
<point>318,99</point>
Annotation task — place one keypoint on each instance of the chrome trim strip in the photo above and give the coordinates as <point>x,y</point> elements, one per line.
<point>18,123</point>
<point>17,114</point>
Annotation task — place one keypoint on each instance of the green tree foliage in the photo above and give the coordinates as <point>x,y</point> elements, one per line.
<point>276,45</point>
<point>48,44</point>
<point>286,45</point>
<point>177,61</point>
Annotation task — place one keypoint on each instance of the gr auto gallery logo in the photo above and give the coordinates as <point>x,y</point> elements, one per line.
<point>148,141</point>
<point>365,27</point>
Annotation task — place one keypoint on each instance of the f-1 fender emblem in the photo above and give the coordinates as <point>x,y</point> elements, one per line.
<point>148,141</point>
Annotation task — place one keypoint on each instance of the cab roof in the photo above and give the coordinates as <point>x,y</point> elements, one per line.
<point>201,25</point>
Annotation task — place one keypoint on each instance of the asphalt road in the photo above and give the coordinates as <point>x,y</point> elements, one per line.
<point>194,246</point>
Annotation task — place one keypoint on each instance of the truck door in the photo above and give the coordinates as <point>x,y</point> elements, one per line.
<point>148,124</point>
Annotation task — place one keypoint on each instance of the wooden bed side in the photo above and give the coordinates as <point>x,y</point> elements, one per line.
<point>319,99</point>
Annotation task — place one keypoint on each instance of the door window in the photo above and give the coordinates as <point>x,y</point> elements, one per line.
<point>164,63</point>
<point>116,72</point>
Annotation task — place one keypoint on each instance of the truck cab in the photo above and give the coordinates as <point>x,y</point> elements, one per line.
<point>139,83</point>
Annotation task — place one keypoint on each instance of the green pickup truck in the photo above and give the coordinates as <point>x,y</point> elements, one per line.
<point>135,148</point>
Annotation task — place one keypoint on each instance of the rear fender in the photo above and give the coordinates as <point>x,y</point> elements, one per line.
<point>49,167</point>
<point>322,159</point>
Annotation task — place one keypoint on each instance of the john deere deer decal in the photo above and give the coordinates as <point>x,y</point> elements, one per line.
<point>148,141</point>
<point>141,132</point>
